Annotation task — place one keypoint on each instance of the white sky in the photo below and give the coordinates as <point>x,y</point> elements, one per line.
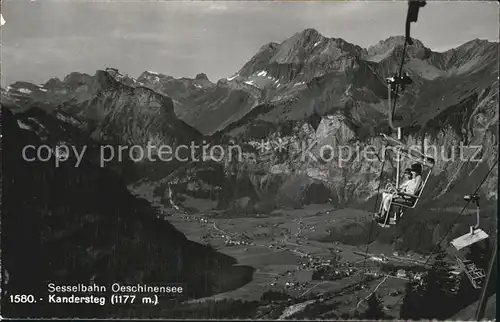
<point>44,39</point>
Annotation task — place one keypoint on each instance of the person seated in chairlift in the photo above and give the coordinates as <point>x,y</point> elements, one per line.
<point>407,176</point>
<point>411,186</point>
<point>416,181</point>
<point>391,191</point>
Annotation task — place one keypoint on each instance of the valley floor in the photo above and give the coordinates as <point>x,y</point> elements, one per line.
<point>285,250</point>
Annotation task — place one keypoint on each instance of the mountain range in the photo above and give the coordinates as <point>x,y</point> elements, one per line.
<point>308,86</point>
<point>306,89</point>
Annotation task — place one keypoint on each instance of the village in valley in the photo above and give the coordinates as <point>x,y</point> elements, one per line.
<point>289,256</point>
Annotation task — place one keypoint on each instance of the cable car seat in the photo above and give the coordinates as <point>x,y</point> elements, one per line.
<point>405,199</point>
<point>400,202</point>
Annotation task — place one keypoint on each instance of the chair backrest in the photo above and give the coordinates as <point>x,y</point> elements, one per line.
<point>418,190</point>
<point>417,193</point>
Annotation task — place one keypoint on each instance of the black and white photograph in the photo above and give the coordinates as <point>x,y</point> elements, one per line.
<point>249,160</point>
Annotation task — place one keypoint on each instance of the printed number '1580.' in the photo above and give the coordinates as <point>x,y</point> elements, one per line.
<point>22,298</point>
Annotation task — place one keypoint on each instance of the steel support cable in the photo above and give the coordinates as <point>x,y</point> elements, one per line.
<point>411,16</point>
<point>463,209</point>
<point>455,220</point>
<point>392,109</point>
<point>391,114</point>
<point>374,210</point>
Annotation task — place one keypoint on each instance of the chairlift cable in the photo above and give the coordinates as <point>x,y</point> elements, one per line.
<point>374,209</point>
<point>393,109</point>
<point>453,223</point>
<point>409,19</point>
<point>391,115</point>
<point>463,209</point>
<point>411,16</point>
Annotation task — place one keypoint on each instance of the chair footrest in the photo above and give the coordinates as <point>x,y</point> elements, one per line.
<point>469,239</point>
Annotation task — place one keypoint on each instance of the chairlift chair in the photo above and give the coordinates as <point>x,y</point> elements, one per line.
<point>406,200</point>
<point>394,83</point>
<point>476,275</point>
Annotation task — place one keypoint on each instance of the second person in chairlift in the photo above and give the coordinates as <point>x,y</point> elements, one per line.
<point>410,187</point>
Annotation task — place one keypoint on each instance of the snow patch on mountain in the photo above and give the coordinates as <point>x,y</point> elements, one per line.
<point>24,90</point>
<point>261,79</point>
<point>68,119</point>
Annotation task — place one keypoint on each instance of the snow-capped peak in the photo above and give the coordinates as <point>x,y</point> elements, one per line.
<point>24,90</point>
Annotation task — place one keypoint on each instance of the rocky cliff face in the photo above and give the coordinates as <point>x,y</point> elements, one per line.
<point>339,109</point>
<point>326,128</point>
<point>111,106</point>
<point>207,106</point>
<point>304,112</point>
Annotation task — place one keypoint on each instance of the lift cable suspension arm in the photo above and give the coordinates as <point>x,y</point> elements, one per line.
<point>454,221</point>
<point>461,212</point>
<point>477,214</point>
<point>392,109</point>
<point>412,16</point>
